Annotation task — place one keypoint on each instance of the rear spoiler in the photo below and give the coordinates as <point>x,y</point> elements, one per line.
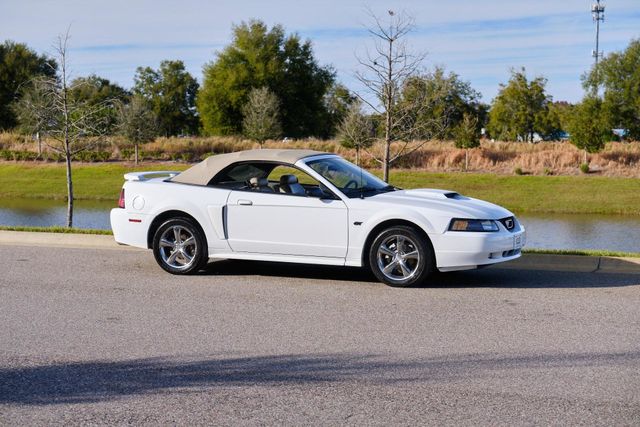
<point>145,176</point>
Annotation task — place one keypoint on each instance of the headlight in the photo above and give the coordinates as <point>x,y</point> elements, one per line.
<point>482,225</point>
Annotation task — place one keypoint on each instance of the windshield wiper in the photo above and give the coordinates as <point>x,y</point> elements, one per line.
<point>367,190</point>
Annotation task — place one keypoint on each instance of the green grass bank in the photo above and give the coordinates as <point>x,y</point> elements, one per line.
<point>521,194</point>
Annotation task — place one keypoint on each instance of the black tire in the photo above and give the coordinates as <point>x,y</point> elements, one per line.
<point>408,264</point>
<point>185,257</point>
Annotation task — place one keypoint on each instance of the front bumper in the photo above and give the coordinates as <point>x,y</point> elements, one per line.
<point>455,250</point>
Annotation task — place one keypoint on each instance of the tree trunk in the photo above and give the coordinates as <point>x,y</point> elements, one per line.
<point>387,145</point>
<point>67,142</point>
<point>135,149</point>
<point>69,190</point>
<point>466,159</point>
<point>585,157</point>
<point>388,118</point>
<point>385,174</point>
<point>39,144</point>
<point>357,155</point>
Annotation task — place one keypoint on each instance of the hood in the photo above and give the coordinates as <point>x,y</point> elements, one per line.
<point>443,202</point>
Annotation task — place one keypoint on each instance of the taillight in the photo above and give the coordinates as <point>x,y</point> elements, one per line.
<point>121,199</point>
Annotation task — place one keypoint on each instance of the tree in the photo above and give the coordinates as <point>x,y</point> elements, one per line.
<point>261,116</point>
<point>467,136</point>
<point>338,100</point>
<point>446,98</point>
<point>619,74</point>
<point>521,109</point>
<point>257,57</point>
<point>136,122</point>
<point>356,130</point>
<point>563,110</point>
<point>588,127</point>
<point>97,91</point>
<point>384,73</point>
<point>170,93</point>
<point>18,65</point>
<point>72,125</point>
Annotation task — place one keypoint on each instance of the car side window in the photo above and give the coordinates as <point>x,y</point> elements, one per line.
<point>268,177</point>
<point>288,180</point>
<point>237,176</point>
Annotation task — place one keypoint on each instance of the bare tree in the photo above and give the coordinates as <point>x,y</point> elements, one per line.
<point>68,125</point>
<point>261,116</point>
<point>137,122</point>
<point>356,130</point>
<point>385,74</point>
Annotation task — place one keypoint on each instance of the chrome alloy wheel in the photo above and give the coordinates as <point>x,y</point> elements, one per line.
<point>178,247</point>
<point>398,258</point>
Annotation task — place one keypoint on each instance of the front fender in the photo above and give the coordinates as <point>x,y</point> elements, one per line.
<point>358,233</point>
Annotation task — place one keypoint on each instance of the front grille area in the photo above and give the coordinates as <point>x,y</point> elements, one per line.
<point>513,252</point>
<point>504,254</point>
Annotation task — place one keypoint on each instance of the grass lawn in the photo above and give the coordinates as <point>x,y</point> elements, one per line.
<point>521,194</point>
<point>56,229</point>
<point>536,194</point>
<point>100,181</point>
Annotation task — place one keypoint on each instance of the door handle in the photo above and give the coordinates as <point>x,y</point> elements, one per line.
<point>245,202</point>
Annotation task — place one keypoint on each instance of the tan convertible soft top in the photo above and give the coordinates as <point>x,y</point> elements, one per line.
<point>201,173</point>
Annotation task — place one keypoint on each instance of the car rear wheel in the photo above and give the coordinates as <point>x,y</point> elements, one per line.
<point>401,257</point>
<point>180,247</point>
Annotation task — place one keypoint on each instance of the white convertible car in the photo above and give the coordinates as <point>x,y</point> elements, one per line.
<point>308,207</point>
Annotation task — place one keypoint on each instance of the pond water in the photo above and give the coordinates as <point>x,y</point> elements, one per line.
<point>44,213</point>
<point>551,231</point>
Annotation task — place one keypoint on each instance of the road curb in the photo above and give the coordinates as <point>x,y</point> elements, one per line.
<point>575,263</point>
<point>550,262</point>
<point>65,240</point>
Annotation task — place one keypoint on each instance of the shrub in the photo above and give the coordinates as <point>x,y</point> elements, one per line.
<point>150,155</point>
<point>547,171</point>
<point>127,153</point>
<point>103,156</point>
<point>52,156</point>
<point>93,156</point>
<point>518,171</point>
<point>187,157</point>
<point>584,168</point>
<point>18,155</point>
<point>6,155</point>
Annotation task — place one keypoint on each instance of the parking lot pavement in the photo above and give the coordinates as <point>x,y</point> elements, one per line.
<point>93,336</point>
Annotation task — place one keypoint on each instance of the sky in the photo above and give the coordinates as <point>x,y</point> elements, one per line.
<point>479,41</point>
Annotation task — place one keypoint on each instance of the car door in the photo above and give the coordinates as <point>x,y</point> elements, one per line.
<point>285,224</point>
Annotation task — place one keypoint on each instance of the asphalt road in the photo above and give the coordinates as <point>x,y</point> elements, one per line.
<point>105,336</point>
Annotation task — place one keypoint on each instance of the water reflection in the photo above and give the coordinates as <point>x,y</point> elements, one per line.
<point>553,231</point>
<point>561,231</point>
<point>44,213</point>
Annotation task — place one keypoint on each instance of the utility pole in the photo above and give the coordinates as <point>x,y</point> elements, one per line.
<point>597,13</point>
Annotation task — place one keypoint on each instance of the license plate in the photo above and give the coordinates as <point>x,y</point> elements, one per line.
<point>518,241</point>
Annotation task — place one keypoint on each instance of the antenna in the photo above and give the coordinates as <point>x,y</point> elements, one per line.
<point>361,186</point>
<point>597,13</point>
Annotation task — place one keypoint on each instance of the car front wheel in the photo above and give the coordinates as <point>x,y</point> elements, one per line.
<point>401,257</point>
<point>180,247</point>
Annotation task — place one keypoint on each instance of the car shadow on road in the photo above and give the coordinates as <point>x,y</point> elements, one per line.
<point>97,381</point>
<point>493,277</point>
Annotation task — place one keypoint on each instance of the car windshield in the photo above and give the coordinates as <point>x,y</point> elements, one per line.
<point>352,180</point>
